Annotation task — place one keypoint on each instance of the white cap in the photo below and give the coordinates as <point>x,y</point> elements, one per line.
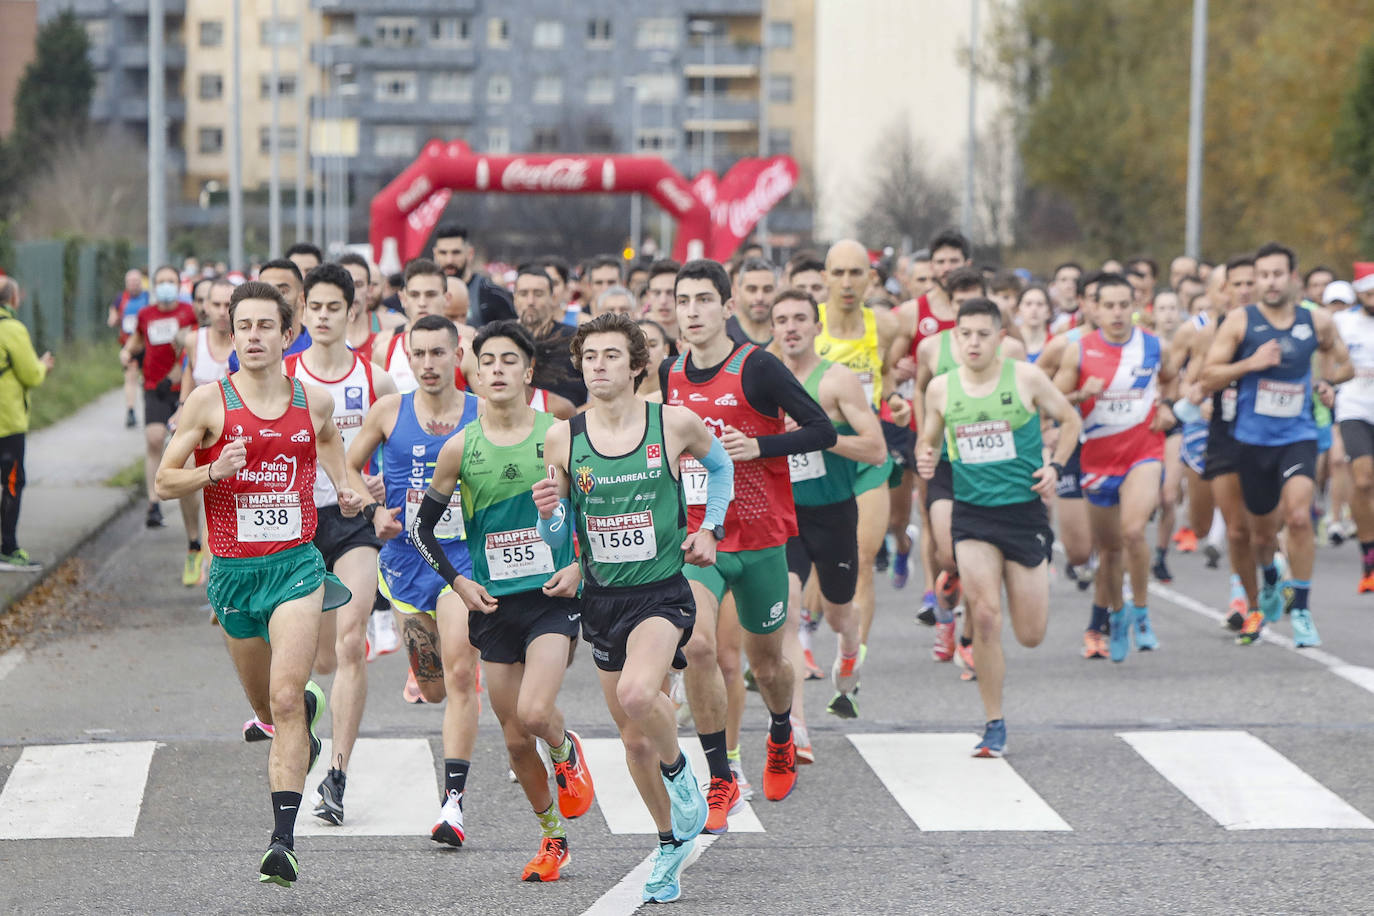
<point>1338,291</point>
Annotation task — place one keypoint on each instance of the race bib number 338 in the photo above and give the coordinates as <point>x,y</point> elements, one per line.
<point>270,517</point>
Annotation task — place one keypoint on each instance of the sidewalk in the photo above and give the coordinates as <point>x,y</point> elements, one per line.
<point>66,500</point>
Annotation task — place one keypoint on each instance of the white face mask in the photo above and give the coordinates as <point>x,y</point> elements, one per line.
<point>165,292</point>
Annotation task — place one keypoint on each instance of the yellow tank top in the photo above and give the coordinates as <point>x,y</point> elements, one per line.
<point>860,354</point>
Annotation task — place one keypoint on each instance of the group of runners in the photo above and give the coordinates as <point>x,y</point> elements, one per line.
<point>694,471</point>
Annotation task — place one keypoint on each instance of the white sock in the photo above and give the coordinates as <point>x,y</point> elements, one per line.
<point>1217,535</point>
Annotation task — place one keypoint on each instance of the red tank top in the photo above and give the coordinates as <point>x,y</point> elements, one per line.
<point>266,507</point>
<point>927,325</point>
<point>762,513</point>
<point>458,378</point>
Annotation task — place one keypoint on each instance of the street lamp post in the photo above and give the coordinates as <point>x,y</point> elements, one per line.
<point>157,139</point>
<point>1192,234</point>
<point>235,143</point>
<point>636,202</point>
<point>274,144</point>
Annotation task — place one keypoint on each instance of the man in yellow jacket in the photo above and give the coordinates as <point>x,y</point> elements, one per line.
<point>21,368</point>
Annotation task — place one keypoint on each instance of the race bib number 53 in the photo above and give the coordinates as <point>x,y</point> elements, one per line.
<point>268,517</point>
<point>450,524</point>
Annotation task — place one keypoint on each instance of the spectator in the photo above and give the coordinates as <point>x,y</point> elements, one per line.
<point>453,253</point>
<point>21,368</point>
<point>124,317</point>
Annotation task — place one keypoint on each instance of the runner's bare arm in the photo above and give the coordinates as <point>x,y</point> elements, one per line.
<point>1219,371</point>
<point>382,383</point>
<point>1050,401</point>
<point>840,387</point>
<point>1335,354</point>
<point>1048,362</point>
<point>932,429</point>
<point>1066,376</point>
<point>888,327</point>
<point>559,406</point>
<point>1012,347</point>
<point>202,418</point>
<point>379,348</point>
<point>898,355</point>
<point>132,347</point>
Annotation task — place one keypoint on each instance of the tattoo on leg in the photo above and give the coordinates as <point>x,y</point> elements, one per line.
<point>423,650</point>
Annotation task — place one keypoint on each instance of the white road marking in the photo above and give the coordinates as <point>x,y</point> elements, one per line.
<point>919,770</point>
<point>628,895</point>
<point>391,790</point>
<point>619,800</point>
<point>75,790</point>
<point>1243,783</point>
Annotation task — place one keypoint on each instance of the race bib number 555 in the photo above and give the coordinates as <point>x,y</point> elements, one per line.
<point>514,554</point>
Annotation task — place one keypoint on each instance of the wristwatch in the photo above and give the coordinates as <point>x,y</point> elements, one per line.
<point>1058,469</point>
<point>718,531</point>
<point>370,510</point>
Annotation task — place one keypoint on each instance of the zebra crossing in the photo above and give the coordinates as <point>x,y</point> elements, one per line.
<point>1232,776</point>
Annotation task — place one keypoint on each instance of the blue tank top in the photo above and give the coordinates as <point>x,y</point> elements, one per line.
<point>408,457</point>
<point>1273,406</point>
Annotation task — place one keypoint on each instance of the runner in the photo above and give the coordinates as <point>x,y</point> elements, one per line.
<point>1355,416</point>
<point>290,282</point>
<point>424,294</point>
<point>637,608</point>
<point>268,583</point>
<point>1033,312</point>
<point>987,411</point>
<point>124,319</point>
<point>660,349</point>
<point>659,302</point>
<point>553,366</point>
<point>368,321</point>
<point>1066,289</point>
<point>743,393</point>
<point>755,282</point>
<point>522,597</point>
<point>411,428</point>
<point>806,271</point>
<point>1167,317</point>
<point>1117,376</point>
<point>1266,349</point>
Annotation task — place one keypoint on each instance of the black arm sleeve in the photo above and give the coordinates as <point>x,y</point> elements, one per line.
<point>770,386</point>
<point>432,509</point>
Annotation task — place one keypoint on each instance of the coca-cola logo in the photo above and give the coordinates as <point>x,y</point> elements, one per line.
<point>739,216</point>
<point>556,175</point>
<point>419,189</point>
<point>679,198</point>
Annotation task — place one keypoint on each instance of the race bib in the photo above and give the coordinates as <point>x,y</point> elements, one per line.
<point>1228,405</point>
<point>1121,407</point>
<point>866,380</point>
<point>981,443</point>
<point>514,554</point>
<point>450,524</point>
<point>130,323</point>
<point>622,538</point>
<point>268,517</point>
<point>907,389</point>
<point>162,331</point>
<point>806,466</point>
<point>693,481</point>
<point>1280,399</point>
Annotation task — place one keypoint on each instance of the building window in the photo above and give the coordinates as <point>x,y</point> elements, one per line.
<point>599,33</point>
<point>286,86</point>
<point>211,33</point>
<point>545,140</point>
<point>498,140</point>
<point>548,34</point>
<point>287,32</point>
<point>779,34</point>
<point>97,33</point>
<point>395,86</point>
<point>600,139</point>
<point>498,88</point>
<point>657,88</point>
<point>548,90</point>
<point>286,139</point>
<point>210,140</point>
<point>450,87</point>
<point>656,140</point>
<point>498,33</point>
<point>780,87</point>
<point>211,87</point>
<point>657,33</point>
<point>394,140</point>
<point>396,31</point>
<point>779,141</point>
<point>451,31</point>
<point>600,90</point>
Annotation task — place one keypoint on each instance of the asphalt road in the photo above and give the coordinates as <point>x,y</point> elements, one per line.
<point>1201,778</point>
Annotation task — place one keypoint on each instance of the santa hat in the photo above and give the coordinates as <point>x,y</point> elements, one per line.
<point>1364,276</point>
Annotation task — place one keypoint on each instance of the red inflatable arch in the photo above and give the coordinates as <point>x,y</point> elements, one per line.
<point>405,212</point>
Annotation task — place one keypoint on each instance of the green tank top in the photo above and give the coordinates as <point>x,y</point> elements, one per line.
<point>630,514</point>
<point>945,361</point>
<point>993,441</point>
<point>822,478</point>
<point>508,556</point>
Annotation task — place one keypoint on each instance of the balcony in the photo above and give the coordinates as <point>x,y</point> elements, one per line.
<point>136,109</point>
<point>694,8</point>
<point>726,114</point>
<point>737,61</point>
<point>417,112</point>
<point>135,57</point>
<point>385,57</point>
<point>140,7</point>
<point>397,7</point>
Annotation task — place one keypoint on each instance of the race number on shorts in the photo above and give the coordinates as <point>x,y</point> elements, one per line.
<point>270,517</point>
<point>622,538</point>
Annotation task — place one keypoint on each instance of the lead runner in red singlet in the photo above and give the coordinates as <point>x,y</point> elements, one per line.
<point>258,438</point>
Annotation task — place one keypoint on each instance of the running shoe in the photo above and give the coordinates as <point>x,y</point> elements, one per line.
<point>553,855</point>
<point>1072,574</point>
<point>130,420</point>
<point>388,639</point>
<point>689,805</point>
<point>1186,540</point>
<point>813,670</point>
<point>190,570</point>
<point>1212,554</point>
<point>722,799</point>
<point>1271,602</point>
<point>314,712</point>
<point>943,650</point>
<point>880,561</point>
<point>900,569</point>
<point>279,865</point>
<point>1304,630</point>
<point>1250,629</point>
<point>843,705</point>
<point>964,659</point>
<point>1238,608</point>
<point>1094,644</point>
<point>449,828</point>
<point>780,769</point>
<point>926,615</point>
<point>18,561</point>
<point>948,590</point>
<point>1366,583</point>
<point>665,878</point>
<point>994,743</point>
<point>1160,570</point>
<point>805,754</point>
<point>844,673</point>
<point>330,806</point>
<point>1336,533</point>
<point>746,791</point>
<point>1145,638</point>
<point>750,682</point>
<point>154,517</point>
<point>258,730</point>
<point>411,691</point>
<point>1119,634</point>
<point>575,790</point>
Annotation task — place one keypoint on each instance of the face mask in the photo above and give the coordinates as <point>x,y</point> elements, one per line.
<point>165,292</point>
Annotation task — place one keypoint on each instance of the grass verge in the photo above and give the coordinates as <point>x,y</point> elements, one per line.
<point>131,476</point>
<point>84,371</point>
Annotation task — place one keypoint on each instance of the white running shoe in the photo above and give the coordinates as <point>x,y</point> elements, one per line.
<point>387,639</point>
<point>449,828</point>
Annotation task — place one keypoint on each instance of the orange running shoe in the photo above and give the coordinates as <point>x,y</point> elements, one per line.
<point>411,691</point>
<point>575,789</point>
<point>1186,540</point>
<point>1367,583</point>
<point>1094,644</point>
<point>553,855</point>
<point>722,800</point>
<point>813,670</point>
<point>964,659</point>
<point>1250,630</point>
<point>780,770</point>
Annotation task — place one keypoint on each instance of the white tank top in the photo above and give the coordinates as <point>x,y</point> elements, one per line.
<point>1355,398</point>
<point>539,402</point>
<point>353,395</point>
<point>398,365</point>
<point>207,368</point>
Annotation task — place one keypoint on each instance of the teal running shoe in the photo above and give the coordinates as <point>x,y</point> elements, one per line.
<point>1271,602</point>
<point>1119,639</point>
<point>1145,638</point>
<point>278,866</point>
<point>689,804</point>
<point>665,880</point>
<point>1304,630</point>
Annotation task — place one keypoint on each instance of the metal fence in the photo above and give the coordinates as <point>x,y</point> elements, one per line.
<point>68,285</point>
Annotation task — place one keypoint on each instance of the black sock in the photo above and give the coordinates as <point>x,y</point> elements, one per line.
<point>1160,552</point>
<point>714,746</point>
<point>1099,619</point>
<point>780,725</point>
<point>1271,574</point>
<point>193,546</point>
<point>667,839</point>
<point>284,808</point>
<point>1367,552</point>
<point>965,641</point>
<point>671,771</point>
<point>455,775</point>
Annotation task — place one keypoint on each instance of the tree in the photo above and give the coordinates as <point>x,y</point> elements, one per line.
<point>58,200</point>
<point>905,199</point>
<point>1354,142</point>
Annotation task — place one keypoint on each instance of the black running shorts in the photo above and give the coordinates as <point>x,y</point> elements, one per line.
<point>1021,531</point>
<point>827,536</point>
<point>941,486</point>
<point>609,615</point>
<point>502,636</point>
<point>336,535</point>
<point>1264,469</point>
